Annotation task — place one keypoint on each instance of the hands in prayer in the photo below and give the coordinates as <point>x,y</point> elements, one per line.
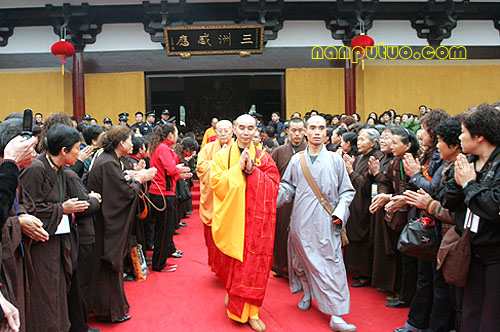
<point>32,227</point>
<point>373,166</point>
<point>411,165</point>
<point>419,199</point>
<point>396,203</point>
<point>86,153</point>
<point>246,162</point>
<point>73,205</point>
<point>140,165</point>
<point>185,171</point>
<point>349,161</point>
<point>379,201</point>
<point>464,171</point>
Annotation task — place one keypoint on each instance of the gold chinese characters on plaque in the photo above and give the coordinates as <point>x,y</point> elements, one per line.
<point>214,39</point>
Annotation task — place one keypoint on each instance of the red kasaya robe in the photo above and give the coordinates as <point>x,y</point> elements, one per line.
<point>243,225</point>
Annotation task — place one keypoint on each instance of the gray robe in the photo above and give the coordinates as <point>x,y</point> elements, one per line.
<point>314,243</point>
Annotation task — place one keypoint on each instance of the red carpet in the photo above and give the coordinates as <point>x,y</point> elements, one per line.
<point>191,299</point>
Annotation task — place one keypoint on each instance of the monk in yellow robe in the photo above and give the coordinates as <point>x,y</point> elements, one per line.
<point>245,183</point>
<point>210,134</point>
<point>224,130</point>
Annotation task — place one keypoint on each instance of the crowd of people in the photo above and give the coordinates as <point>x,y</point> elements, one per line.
<point>313,198</point>
<point>86,195</point>
<point>345,183</point>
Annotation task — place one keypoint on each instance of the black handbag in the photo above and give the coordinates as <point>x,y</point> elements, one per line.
<point>418,240</point>
<point>182,191</point>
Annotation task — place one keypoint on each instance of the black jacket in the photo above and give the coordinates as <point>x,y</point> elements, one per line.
<point>482,197</point>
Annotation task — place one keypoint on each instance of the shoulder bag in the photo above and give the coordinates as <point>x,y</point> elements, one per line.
<point>419,240</point>
<point>319,195</point>
<point>454,254</point>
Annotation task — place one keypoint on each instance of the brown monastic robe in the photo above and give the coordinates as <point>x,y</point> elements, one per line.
<point>386,273</point>
<point>282,156</point>
<point>358,254</point>
<point>51,260</point>
<point>17,270</point>
<point>112,227</point>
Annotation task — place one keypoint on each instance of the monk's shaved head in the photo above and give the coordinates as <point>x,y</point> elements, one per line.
<point>245,118</point>
<point>244,128</point>
<point>224,131</point>
<point>223,124</point>
<point>316,130</point>
<point>316,119</point>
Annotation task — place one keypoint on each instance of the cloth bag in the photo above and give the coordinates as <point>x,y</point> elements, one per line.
<point>418,240</point>
<point>139,263</point>
<point>454,256</point>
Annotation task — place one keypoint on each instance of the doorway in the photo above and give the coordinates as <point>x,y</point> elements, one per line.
<point>194,99</point>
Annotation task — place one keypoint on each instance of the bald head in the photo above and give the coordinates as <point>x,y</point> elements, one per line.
<point>316,119</point>
<point>223,124</point>
<point>214,122</point>
<point>316,130</point>
<point>245,118</point>
<point>244,128</point>
<point>224,131</point>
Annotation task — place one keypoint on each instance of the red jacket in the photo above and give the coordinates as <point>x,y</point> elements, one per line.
<point>165,160</point>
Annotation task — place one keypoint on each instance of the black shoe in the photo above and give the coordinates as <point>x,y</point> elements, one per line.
<point>176,233</point>
<point>397,304</point>
<point>401,329</point>
<point>392,297</point>
<point>182,224</point>
<point>122,319</point>
<point>359,283</point>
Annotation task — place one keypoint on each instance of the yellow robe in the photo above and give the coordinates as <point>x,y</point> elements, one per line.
<point>208,136</point>
<point>203,170</point>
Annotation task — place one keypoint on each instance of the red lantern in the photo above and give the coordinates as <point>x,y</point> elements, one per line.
<point>63,49</point>
<point>361,44</point>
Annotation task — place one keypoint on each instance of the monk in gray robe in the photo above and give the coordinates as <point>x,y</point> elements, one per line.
<point>282,156</point>
<point>316,266</point>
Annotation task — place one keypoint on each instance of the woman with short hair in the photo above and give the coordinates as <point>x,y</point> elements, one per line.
<point>475,192</point>
<point>391,188</point>
<point>358,254</point>
<point>45,182</point>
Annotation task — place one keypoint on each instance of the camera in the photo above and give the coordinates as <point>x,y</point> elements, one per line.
<point>27,124</point>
